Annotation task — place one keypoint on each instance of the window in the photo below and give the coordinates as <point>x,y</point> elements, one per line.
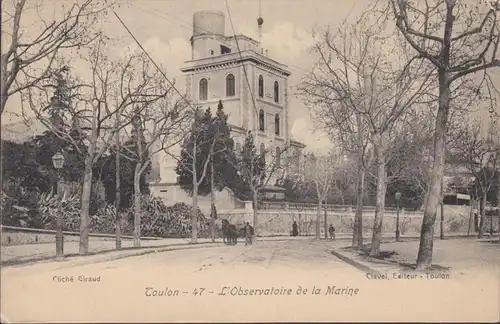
<point>261,86</point>
<point>276,92</point>
<point>238,148</point>
<point>261,120</point>
<point>224,49</point>
<point>277,124</point>
<point>278,156</point>
<point>230,85</point>
<point>262,149</point>
<point>203,89</point>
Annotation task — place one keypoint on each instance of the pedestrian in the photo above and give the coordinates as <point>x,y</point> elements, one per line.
<point>295,231</point>
<point>249,232</point>
<point>331,229</point>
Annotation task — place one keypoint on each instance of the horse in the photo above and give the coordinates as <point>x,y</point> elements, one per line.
<point>229,232</point>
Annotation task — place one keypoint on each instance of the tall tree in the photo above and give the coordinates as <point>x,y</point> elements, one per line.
<point>480,153</point>
<point>459,39</point>
<point>221,170</point>
<point>256,169</point>
<point>320,170</point>
<point>29,54</point>
<point>374,85</point>
<point>155,128</point>
<point>86,107</point>
<point>203,142</point>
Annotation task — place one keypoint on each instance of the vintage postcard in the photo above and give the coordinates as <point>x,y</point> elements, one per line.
<point>250,161</point>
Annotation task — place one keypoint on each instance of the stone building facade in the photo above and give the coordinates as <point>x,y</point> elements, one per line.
<point>252,86</point>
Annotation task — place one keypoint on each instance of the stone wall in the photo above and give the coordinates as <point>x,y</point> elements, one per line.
<point>18,235</point>
<point>279,222</point>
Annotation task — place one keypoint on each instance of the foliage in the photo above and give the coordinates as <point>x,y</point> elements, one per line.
<point>251,166</point>
<point>48,208</point>
<point>299,190</point>
<point>162,221</point>
<point>412,195</point>
<point>209,142</point>
<point>105,171</point>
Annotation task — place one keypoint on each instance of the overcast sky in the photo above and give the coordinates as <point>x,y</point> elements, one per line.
<point>165,26</point>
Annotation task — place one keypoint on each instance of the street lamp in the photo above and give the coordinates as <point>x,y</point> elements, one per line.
<point>58,162</point>
<point>398,196</point>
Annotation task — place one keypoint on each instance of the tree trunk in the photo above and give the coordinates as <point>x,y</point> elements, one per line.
<point>380,204</point>
<point>325,225</point>
<point>471,217</point>
<point>498,206</point>
<point>357,235</point>
<point>194,214</point>
<point>483,215</point>
<point>424,258</point>
<point>118,239</point>
<point>85,204</point>
<point>318,220</point>
<point>137,206</point>
<point>212,202</point>
<point>441,203</point>
<point>255,212</point>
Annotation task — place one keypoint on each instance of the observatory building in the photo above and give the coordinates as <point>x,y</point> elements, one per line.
<point>252,87</point>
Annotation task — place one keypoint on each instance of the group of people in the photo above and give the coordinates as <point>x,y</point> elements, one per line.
<point>295,230</point>
<point>230,233</point>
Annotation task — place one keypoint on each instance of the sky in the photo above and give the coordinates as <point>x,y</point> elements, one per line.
<point>164,28</point>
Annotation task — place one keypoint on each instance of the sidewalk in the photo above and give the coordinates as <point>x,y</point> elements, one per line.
<point>457,255</point>
<point>27,253</point>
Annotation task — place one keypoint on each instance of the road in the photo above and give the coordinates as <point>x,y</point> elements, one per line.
<point>210,285</point>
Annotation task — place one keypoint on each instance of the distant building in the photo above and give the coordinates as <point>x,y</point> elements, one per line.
<point>237,71</point>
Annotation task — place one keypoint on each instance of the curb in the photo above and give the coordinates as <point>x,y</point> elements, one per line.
<point>140,251</point>
<point>358,265</point>
<point>145,252</point>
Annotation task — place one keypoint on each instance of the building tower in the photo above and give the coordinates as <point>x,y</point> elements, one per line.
<point>251,85</point>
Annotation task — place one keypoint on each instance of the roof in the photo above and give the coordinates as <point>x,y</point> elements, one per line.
<point>271,188</point>
<point>297,143</point>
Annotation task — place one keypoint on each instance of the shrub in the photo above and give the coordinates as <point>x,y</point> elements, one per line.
<point>178,221</point>
<point>47,206</point>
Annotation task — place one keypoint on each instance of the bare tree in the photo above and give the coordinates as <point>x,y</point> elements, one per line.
<point>480,153</point>
<point>321,171</point>
<point>29,54</point>
<point>156,126</point>
<point>375,86</point>
<point>83,112</point>
<point>256,169</point>
<point>458,39</point>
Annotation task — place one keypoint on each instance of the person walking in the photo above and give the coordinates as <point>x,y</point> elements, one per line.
<point>249,232</point>
<point>295,231</point>
<point>331,229</point>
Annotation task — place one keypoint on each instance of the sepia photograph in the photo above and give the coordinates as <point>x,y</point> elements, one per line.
<point>221,161</point>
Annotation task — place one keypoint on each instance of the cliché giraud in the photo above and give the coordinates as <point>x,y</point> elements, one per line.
<point>80,278</point>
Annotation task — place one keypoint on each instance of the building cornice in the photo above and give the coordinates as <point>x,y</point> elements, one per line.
<point>297,144</point>
<point>234,59</point>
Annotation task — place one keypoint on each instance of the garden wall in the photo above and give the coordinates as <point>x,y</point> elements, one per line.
<point>279,222</point>
<point>18,235</point>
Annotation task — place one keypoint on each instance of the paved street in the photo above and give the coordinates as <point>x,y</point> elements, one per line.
<point>204,284</point>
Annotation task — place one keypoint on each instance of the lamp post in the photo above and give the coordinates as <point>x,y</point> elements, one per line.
<point>58,162</point>
<point>398,196</point>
